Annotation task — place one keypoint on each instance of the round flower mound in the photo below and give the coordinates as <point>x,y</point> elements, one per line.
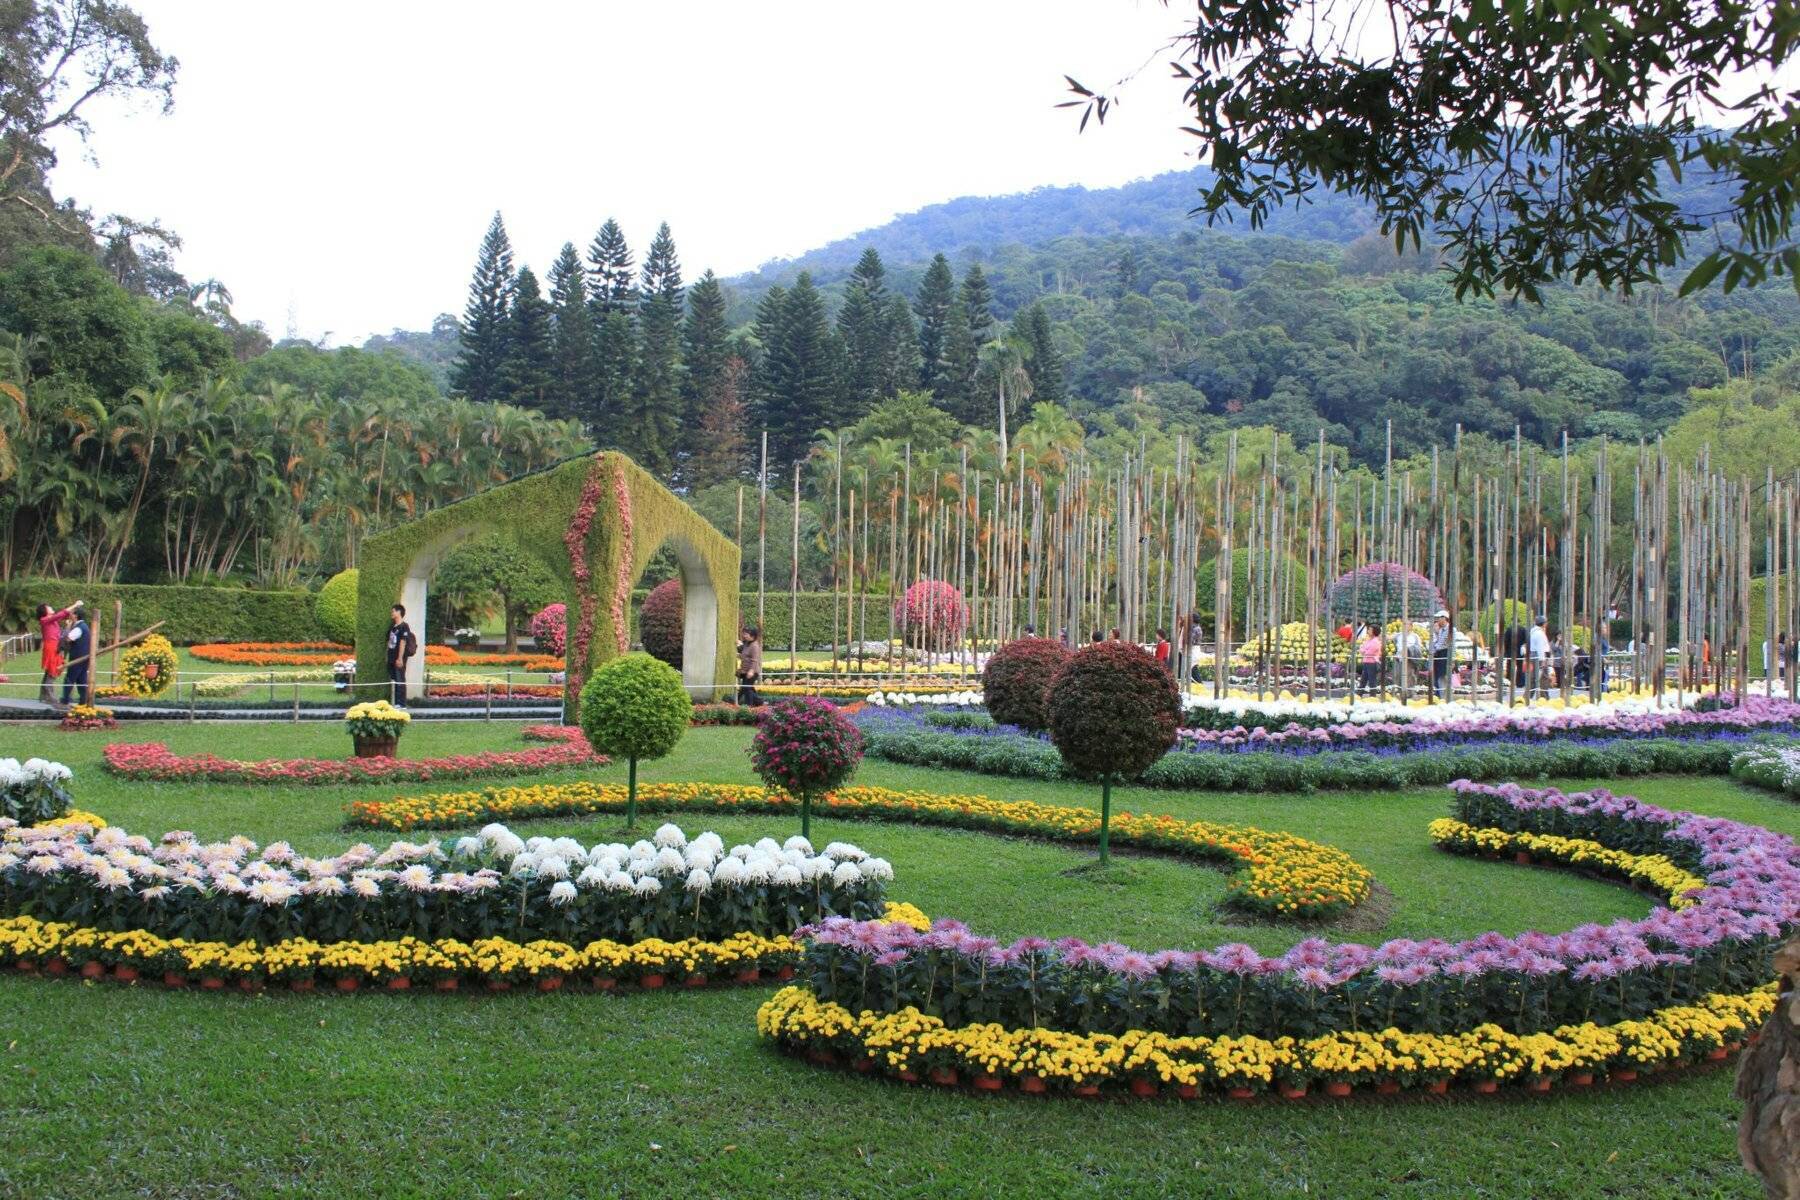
<point>1290,645</point>
<point>1113,711</point>
<point>1382,591</point>
<point>550,628</point>
<point>155,761</point>
<point>335,606</point>
<point>148,668</point>
<point>1017,678</point>
<point>933,615</point>
<point>662,622</point>
<point>805,747</point>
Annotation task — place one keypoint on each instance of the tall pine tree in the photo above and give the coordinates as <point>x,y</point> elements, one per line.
<point>937,292</point>
<point>798,376</point>
<point>612,295</point>
<point>476,372</point>
<point>862,324</point>
<point>527,377</point>
<point>1043,363</point>
<point>722,447</point>
<point>611,281</point>
<point>653,408</point>
<point>572,336</point>
<point>900,349</point>
<point>705,352</point>
<point>978,305</point>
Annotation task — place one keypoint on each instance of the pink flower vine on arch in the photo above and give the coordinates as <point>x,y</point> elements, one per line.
<point>622,581</point>
<point>575,542</point>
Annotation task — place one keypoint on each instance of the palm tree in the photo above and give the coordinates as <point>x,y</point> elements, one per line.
<point>1004,361</point>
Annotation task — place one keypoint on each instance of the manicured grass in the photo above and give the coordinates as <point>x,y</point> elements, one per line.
<point>109,1091</point>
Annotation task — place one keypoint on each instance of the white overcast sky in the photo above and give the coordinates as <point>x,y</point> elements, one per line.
<point>335,164</point>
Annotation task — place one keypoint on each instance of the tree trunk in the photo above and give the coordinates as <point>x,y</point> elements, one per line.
<point>1769,1085</point>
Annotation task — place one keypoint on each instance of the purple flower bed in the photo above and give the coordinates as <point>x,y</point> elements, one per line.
<point>1535,981</point>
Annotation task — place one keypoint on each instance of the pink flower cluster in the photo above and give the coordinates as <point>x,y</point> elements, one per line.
<point>548,628</point>
<point>154,760</point>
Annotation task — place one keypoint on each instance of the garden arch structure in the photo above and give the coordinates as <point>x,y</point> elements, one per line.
<point>594,522</point>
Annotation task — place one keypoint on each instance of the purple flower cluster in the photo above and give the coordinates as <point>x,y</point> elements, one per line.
<point>1532,981</point>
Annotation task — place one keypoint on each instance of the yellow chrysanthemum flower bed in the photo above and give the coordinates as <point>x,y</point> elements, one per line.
<point>75,816</point>
<point>1652,871</point>
<point>1279,874</point>
<point>148,668</point>
<point>908,1044</point>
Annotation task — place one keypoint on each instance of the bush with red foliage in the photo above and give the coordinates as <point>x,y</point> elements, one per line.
<point>662,622</point>
<point>933,615</point>
<point>1016,678</point>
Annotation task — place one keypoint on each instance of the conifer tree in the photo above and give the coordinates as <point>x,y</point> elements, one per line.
<point>937,292</point>
<point>862,324</point>
<point>900,361</point>
<point>799,374</point>
<point>612,298</point>
<point>962,363</point>
<point>705,351</point>
<point>978,305</point>
<point>476,372</point>
<point>1042,363</point>
<point>572,336</point>
<point>721,449</point>
<point>527,378</point>
<point>611,280</point>
<point>653,407</point>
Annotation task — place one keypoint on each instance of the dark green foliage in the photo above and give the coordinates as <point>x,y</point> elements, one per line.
<point>491,572</point>
<point>634,707</point>
<point>660,622</point>
<point>795,386</point>
<point>1206,581</point>
<point>572,335</point>
<point>978,305</point>
<point>476,374</point>
<point>612,283</point>
<point>1016,680</point>
<point>806,748</point>
<point>81,324</point>
<point>527,372</point>
<point>336,608</point>
<point>1049,384</point>
<point>346,375</point>
<point>652,414</point>
<point>706,359</point>
<point>937,293</point>
<point>189,349</point>
<point>615,353</point>
<point>192,614</point>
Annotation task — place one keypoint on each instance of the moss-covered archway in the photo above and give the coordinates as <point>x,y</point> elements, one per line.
<point>594,522</point>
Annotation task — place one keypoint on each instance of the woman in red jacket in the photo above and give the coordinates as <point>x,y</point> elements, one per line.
<point>50,633</point>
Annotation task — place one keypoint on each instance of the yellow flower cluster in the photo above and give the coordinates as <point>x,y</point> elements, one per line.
<point>905,914</point>
<point>377,710</point>
<point>1281,873</point>
<point>909,1041</point>
<point>1653,871</point>
<point>76,816</point>
<point>496,959</point>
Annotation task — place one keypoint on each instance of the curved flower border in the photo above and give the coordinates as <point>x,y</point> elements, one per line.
<point>155,761</point>
<point>1279,874</point>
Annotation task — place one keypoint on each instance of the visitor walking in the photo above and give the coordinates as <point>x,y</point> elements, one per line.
<point>401,646</point>
<point>1162,648</point>
<point>1539,647</point>
<point>1368,668</point>
<point>749,670</point>
<point>50,657</point>
<point>77,648</point>
<point>1440,654</point>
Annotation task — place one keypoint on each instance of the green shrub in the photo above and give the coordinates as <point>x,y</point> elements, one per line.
<point>336,607</point>
<point>1206,590</point>
<point>190,613</point>
<point>634,707</point>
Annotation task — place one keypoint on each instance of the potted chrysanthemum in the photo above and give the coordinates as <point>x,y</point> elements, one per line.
<point>375,728</point>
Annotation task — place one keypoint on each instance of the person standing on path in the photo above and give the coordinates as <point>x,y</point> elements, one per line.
<point>749,670</point>
<point>78,649</point>
<point>1440,655</point>
<point>1540,660</point>
<point>401,646</point>
<point>50,657</point>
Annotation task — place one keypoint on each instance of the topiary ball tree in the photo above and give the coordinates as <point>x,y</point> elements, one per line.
<point>662,622</point>
<point>1381,591</point>
<point>806,748</point>
<point>634,707</point>
<point>1206,589</point>
<point>1113,712</point>
<point>550,628</point>
<point>933,615</point>
<point>1016,677</point>
<point>335,606</point>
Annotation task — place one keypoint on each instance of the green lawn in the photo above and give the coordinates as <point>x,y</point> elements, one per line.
<point>109,1091</point>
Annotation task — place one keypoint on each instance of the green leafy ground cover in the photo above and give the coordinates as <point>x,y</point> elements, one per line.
<point>110,1092</point>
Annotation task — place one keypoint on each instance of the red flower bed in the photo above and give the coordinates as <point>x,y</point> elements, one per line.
<point>154,760</point>
<point>479,690</point>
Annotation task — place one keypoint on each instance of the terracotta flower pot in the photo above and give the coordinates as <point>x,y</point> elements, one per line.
<point>349,983</point>
<point>748,975</point>
<point>1337,1087</point>
<point>93,969</point>
<point>862,1064</point>
<point>944,1076</point>
<point>907,1076</point>
<point>650,981</point>
<point>125,974</point>
<point>986,1083</point>
<point>1293,1091</point>
<point>1438,1087</point>
<point>1388,1087</point>
<point>57,966</point>
<point>1717,1054</point>
<point>785,973</point>
<point>1241,1093</point>
<point>1485,1086</point>
<point>1625,1076</point>
<point>1581,1079</point>
<point>499,985</point>
<point>1541,1084</point>
<point>821,1057</point>
<point>1522,858</point>
<point>446,985</point>
<point>1033,1084</point>
<point>27,965</point>
<point>376,747</point>
<point>211,983</point>
<point>550,983</point>
<point>1087,1091</point>
<point>1143,1088</point>
<point>605,983</point>
<point>250,983</point>
<point>302,985</point>
<point>174,979</point>
<point>696,980</point>
<point>1187,1091</point>
<point>398,983</point>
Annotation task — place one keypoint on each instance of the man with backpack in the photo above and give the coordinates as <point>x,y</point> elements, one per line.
<point>401,646</point>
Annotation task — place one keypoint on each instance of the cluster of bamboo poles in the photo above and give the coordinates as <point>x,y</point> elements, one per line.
<point>1064,546</point>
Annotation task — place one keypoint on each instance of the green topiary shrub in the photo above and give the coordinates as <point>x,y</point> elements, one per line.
<point>1016,678</point>
<point>1512,611</point>
<point>662,623</point>
<point>634,707</point>
<point>807,748</point>
<point>1113,713</point>
<point>336,607</point>
<point>1206,589</point>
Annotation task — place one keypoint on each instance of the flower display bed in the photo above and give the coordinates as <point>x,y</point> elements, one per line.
<point>155,761</point>
<point>1278,873</point>
<point>1682,985</point>
<point>307,654</point>
<point>1775,767</point>
<point>85,718</point>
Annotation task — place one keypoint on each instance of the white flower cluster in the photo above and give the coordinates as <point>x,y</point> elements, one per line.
<point>964,699</point>
<point>1374,710</point>
<point>669,859</point>
<point>33,772</point>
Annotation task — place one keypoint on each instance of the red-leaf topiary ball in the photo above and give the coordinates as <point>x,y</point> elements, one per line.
<point>805,747</point>
<point>1113,711</point>
<point>549,628</point>
<point>662,623</point>
<point>1016,678</point>
<point>933,613</point>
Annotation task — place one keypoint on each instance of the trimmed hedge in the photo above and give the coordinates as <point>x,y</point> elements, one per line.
<point>190,614</point>
<point>1030,758</point>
